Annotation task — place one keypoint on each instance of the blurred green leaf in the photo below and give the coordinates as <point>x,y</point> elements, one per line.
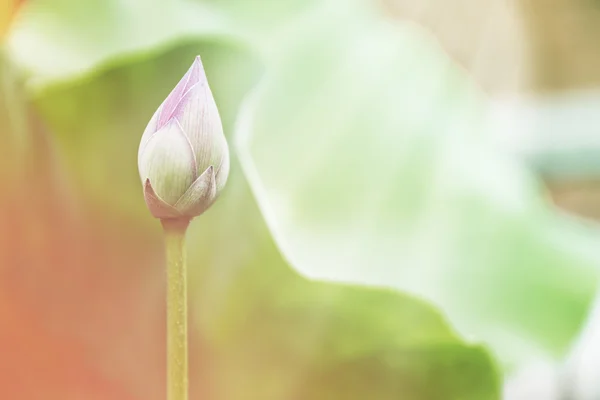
<point>56,40</point>
<point>61,40</point>
<point>271,333</point>
<point>277,335</point>
<point>365,146</point>
<point>264,332</point>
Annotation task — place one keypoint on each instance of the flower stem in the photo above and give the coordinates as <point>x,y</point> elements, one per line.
<point>177,333</point>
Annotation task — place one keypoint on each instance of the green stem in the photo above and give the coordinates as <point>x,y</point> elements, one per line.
<point>177,333</point>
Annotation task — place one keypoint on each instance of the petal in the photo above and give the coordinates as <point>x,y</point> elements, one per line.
<point>197,74</point>
<point>200,196</point>
<point>222,171</point>
<point>191,77</point>
<point>200,120</point>
<point>157,206</point>
<point>150,130</point>
<point>168,161</point>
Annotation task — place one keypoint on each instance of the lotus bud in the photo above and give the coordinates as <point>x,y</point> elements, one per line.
<point>183,157</point>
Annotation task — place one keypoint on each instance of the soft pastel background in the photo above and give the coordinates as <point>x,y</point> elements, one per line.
<point>403,218</point>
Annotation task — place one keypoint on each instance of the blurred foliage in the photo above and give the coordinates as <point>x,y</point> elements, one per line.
<point>362,150</point>
<point>271,333</point>
<point>385,155</point>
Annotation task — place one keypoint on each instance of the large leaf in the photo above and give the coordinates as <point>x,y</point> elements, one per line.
<point>365,146</point>
<point>61,40</point>
<point>58,40</point>
<point>261,331</point>
<point>277,335</point>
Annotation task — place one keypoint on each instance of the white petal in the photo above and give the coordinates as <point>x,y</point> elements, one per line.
<point>148,132</point>
<point>157,206</point>
<point>168,161</point>
<point>194,74</point>
<point>200,196</point>
<point>200,120</point>
<point>222,172</point>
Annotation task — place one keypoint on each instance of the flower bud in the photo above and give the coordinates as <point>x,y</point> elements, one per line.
<point>183,157</point>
